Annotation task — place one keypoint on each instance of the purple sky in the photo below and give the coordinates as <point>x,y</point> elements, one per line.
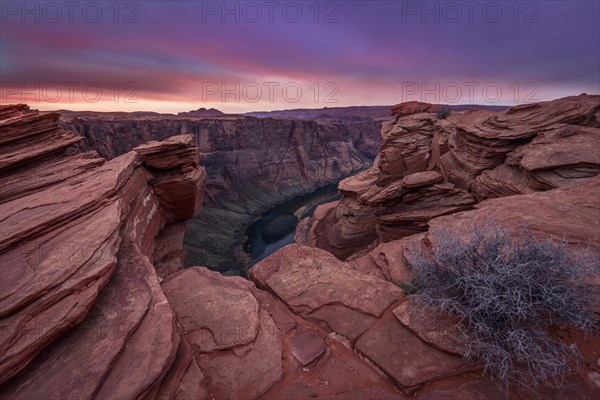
<point>177,56</point>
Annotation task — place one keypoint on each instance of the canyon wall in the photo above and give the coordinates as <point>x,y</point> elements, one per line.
<point>252,164</point>
<point>82,313</point>
<point>430,167</point>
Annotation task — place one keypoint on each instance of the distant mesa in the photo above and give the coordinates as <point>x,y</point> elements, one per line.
<point>202,112</point>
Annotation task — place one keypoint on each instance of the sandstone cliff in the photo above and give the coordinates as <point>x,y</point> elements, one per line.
<point>430,167</point>
<point>534,165</point>
<point>252,164</point>
<point>82,311</point>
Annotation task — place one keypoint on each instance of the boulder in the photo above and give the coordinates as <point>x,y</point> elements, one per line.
<point>237,344</point>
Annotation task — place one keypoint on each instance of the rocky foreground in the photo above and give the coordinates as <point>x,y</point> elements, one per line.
<point>95,303</point>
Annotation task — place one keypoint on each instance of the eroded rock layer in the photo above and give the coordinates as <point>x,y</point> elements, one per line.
<point>82,313</point>
<point>429,167</point>
<point>535,166</point>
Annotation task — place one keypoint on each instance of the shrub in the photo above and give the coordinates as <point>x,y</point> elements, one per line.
<point>443,112</point>
<point>508,292</point>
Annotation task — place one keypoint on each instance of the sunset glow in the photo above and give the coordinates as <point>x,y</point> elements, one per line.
<point>241,56</point>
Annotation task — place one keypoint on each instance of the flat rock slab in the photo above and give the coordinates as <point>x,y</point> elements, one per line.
<point>245,372</point>
<point>236,343</point>
<point>318,286</point>
<point>215,312</point>
<point>406,358</point>
<point>391,260</point>
<point>306,347</point>
<point>441,333</point>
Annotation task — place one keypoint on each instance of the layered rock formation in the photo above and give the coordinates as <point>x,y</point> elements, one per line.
<point>252,165</point>
<point>83,314</point>
<point>430,167</point>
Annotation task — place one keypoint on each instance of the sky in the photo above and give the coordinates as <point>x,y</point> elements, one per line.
<point>173,56</point>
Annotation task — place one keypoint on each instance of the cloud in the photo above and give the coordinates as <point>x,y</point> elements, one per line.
<point>371,53</point>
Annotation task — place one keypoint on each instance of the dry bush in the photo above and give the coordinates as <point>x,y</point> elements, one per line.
<point>443,112</point>
<point>508,292</point>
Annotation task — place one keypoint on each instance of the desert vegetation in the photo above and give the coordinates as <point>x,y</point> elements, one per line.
<point>510,293</point>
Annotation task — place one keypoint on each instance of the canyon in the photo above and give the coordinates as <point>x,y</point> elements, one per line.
<point>96,302</point>
<point>252,165</point>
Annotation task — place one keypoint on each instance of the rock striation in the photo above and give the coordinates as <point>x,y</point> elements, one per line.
<point>430,167</point>
<point>83,314</point>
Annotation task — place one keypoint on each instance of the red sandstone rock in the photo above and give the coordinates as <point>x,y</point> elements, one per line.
<point>501,181</point>
<point>441,333</point>
<point>78,290</point>
<point>120,349</point>
<point>411,215</point>
<point>27,135</point>
<point>414,107</point>
<point>405,358</point>
<point>480,154</point>
<point>191,386</point>
<point>319,287</point>
<point>572,213</point>
<point>472,386</point>
<point>562,157</point>
<point>201,297</point>
<point>170,153</point>
<point>342,240</point>
<point>236,343</point>
<point>501,160</point>
<point>406,148</point>
<point>172,380</point>
<point>390,261</point>
<point>419,179</point>
<point>168,255</point>
<point>319,363</point>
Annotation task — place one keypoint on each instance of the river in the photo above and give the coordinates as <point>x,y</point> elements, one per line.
<point>277,227</point>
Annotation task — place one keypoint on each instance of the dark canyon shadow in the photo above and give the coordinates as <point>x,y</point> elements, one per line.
<point>277,226</point>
